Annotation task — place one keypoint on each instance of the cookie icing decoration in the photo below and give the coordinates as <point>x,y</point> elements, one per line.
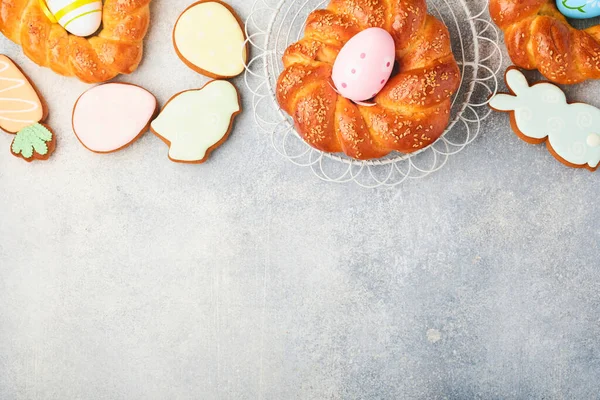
<point>540,113</point>
<point>579,9</point>
<point>208,37</point>
<point>21,113</point>
<point>78,17</point>
<point>110,117</point>
<point>34,139</point>
<point>196,122</point>
<point>20,105</point>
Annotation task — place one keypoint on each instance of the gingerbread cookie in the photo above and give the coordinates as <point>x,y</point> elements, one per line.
<point>209,38</point>
<point>21,112</point>
<point>110,117</point>
<point>195,122</point>
<point>540,113</point>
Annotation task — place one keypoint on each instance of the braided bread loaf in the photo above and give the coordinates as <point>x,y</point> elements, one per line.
<point>117,49</point>
<point>539,37</point>
<point>413,109</point>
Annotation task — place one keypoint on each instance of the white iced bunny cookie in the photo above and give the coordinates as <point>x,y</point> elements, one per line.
<point>540,113</point>
<point>195,122</point>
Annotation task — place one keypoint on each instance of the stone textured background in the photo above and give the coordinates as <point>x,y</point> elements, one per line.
<point>126,276</point>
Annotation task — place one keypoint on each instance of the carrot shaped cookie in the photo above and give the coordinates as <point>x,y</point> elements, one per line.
<point>22,111</point>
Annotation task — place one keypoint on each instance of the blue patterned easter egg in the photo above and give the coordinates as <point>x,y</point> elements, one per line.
<point>579,9</point>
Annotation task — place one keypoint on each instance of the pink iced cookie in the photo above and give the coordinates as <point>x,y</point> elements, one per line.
<point>364,65</point>
<point>109,117</point>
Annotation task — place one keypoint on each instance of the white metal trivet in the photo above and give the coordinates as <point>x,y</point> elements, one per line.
<point>274,24</point>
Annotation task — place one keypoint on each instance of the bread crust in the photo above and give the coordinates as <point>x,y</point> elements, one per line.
<point>116,49</point>
<point>413,109</point>
<point>538,36</point>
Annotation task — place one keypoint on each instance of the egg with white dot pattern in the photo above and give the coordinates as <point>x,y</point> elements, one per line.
<point>364,65</point>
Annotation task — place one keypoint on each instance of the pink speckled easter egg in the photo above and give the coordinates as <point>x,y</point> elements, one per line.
<point>364,64</point>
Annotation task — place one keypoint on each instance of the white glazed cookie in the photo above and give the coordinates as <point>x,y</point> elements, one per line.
<point>109,117</point>
<point>540,113</point>
<point>195,122</point>
<point>208,37</point>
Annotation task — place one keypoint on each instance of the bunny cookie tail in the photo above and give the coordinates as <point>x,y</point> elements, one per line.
<point>34,142</point>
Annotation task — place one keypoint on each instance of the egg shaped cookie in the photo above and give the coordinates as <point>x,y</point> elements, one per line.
<point>209,38</point>
<point>110,117</point>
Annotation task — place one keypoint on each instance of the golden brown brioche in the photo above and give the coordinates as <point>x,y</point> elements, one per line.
<point>539,37</point>
<point>117,49</point>
<point>413,109</point>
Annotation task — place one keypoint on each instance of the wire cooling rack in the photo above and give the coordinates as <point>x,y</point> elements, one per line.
<point>275,24</point>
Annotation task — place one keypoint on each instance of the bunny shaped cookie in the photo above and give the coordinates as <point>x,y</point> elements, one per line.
<point>540,113</point>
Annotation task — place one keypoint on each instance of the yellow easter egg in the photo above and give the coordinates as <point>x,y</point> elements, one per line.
<point>78,17</point>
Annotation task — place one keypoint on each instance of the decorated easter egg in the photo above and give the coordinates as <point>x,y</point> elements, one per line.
<point>109,117</point>
<point>579,9</point>
<point>364,65</point>
<point>78,17</point>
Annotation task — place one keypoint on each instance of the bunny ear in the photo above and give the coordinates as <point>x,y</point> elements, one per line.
<point>518,84</point>
<point>516,81</point>
<point>504,102</point>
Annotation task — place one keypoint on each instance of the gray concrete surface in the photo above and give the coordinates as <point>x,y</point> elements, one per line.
<point>129,277</point>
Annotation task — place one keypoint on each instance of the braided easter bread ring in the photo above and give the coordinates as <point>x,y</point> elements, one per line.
<point>413,109</point>
<point>116,49</point>
<point>539,37</point>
